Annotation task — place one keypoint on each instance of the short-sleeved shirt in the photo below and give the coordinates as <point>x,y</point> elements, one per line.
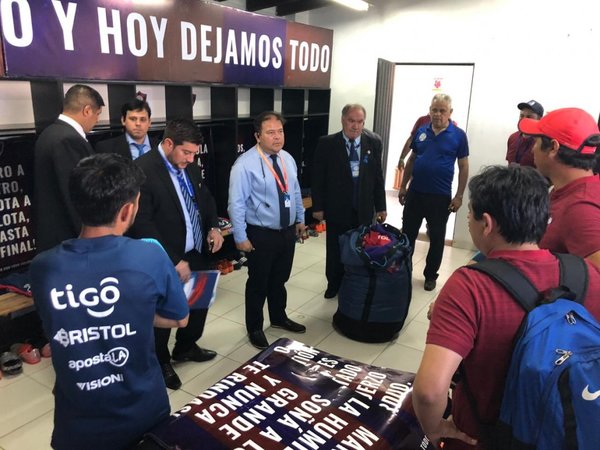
<point>478,319</point>
<point>97,299</point>
<point>519,149</point>
<point>574,225</point>
<point>433,169</point>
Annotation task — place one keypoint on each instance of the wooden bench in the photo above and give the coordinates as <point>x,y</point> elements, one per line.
<point>11,302</point>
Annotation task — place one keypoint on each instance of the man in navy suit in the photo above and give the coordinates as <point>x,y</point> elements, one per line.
<point>57,151</point>
<point>178,210</point>
<point>347,187</point>
<point>135,118</point>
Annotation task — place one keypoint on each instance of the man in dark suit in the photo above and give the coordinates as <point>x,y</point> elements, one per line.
<point>135,117</point>
<point>57,151</point>
<point>177,210</point>
<point>347,187</point>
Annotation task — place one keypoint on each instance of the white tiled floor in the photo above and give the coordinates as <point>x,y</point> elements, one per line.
<point>26,402</point>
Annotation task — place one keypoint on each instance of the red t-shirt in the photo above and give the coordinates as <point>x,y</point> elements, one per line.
<point>421,122</point>
<point>477,318</point>
<point>574,225</point>
<point>520,149</point>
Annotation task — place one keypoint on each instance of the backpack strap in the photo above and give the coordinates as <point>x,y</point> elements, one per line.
<point>573,275</point>
<point>517,284</point>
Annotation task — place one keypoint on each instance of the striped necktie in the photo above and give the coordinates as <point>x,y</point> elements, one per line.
<point>192,209</point>
<point>140,148</point>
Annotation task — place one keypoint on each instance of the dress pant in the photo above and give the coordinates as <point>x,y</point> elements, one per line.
<point>269,268</point>
<point>185,337</point>
<point>334,269</point>
<point>434,209</point>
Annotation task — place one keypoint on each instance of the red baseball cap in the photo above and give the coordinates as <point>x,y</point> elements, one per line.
<point>571,127</point>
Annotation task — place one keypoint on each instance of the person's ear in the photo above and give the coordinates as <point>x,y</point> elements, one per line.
<point>489,224</point>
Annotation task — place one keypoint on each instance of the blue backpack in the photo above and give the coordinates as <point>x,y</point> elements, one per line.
<point>552,393</point>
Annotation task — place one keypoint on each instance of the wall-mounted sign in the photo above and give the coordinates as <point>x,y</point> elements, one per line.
<point>167,40</point>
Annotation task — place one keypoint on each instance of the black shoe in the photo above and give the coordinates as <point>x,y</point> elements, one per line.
<point>429,285</point>
<point>258,339</point>
<point>290,325</point>
<point>330,292</point>
<point>172,381</point>
<point>196,354</point>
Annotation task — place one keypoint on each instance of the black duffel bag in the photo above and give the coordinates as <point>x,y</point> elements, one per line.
<point>377,285</point>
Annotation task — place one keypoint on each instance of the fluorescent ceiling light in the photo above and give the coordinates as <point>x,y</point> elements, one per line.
<point>359,5</point>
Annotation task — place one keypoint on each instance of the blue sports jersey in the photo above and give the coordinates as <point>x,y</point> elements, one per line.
<point>97,299</point>
<point>433,169</point>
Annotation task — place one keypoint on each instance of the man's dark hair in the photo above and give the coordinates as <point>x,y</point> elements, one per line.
<point>135,105</point>
<point>516,197</point>
<point>101,184</point>
<point>80,95</point>
<point>183,130</point>
<point>570,157</point>
<point>264,116</point>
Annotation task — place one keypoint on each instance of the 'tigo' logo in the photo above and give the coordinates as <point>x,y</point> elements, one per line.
<point>101,300</point>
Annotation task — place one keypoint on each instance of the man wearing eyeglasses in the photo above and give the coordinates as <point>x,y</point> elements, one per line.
<point>178,210</point>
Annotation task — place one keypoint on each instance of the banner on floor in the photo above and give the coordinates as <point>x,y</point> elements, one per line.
<point>292,396</point>
<point>170,40</point>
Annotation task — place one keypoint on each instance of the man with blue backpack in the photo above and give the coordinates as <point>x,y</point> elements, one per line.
<point>476,323</point>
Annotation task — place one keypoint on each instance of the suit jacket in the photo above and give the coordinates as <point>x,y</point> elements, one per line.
<point>57,151</point>
<point>332,184</point>
<point>119,145</point>
<point>160,214</point>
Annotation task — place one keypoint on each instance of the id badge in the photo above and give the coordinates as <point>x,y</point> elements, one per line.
<point>355,168</point>
<point>286,200</point>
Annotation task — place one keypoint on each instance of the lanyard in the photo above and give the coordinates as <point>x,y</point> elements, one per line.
<point>283,188</point>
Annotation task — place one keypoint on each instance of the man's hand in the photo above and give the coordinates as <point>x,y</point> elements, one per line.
<point>455,204</point>
<point>318,215</point>
<point>244,246</point>
<point>301,230</point>
<point>215,240</point>
<point>430,310</point>
<point>447,429</point>
<point>183,270</point>
<point>381,216</point>
<point>402,195</point>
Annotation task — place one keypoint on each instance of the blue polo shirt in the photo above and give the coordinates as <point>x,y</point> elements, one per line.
<point>433,169</point>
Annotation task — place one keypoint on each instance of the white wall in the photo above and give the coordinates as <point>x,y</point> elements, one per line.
<point>522,49</point>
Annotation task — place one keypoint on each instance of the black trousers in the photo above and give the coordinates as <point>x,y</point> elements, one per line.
<point>334,269</point>
<point>269,268</point>
<point>185,337</point>
<point>434,209</point>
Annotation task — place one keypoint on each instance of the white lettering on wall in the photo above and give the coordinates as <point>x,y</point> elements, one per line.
<point>136,22</point>
<point>66,21</point>
<point>189,45</point>
<point>106,31</point>
<point>8,22</point>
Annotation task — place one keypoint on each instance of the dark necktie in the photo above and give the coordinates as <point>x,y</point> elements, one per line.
<point>140,148</point>
<point>353,155</point>
<point>284,213</point>
<point>192,209</point>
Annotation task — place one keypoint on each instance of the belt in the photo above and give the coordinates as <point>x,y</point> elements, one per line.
<point>272,230</point>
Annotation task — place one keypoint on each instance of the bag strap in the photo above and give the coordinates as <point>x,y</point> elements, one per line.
<point>511,278</point>
<point>573,277</point>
